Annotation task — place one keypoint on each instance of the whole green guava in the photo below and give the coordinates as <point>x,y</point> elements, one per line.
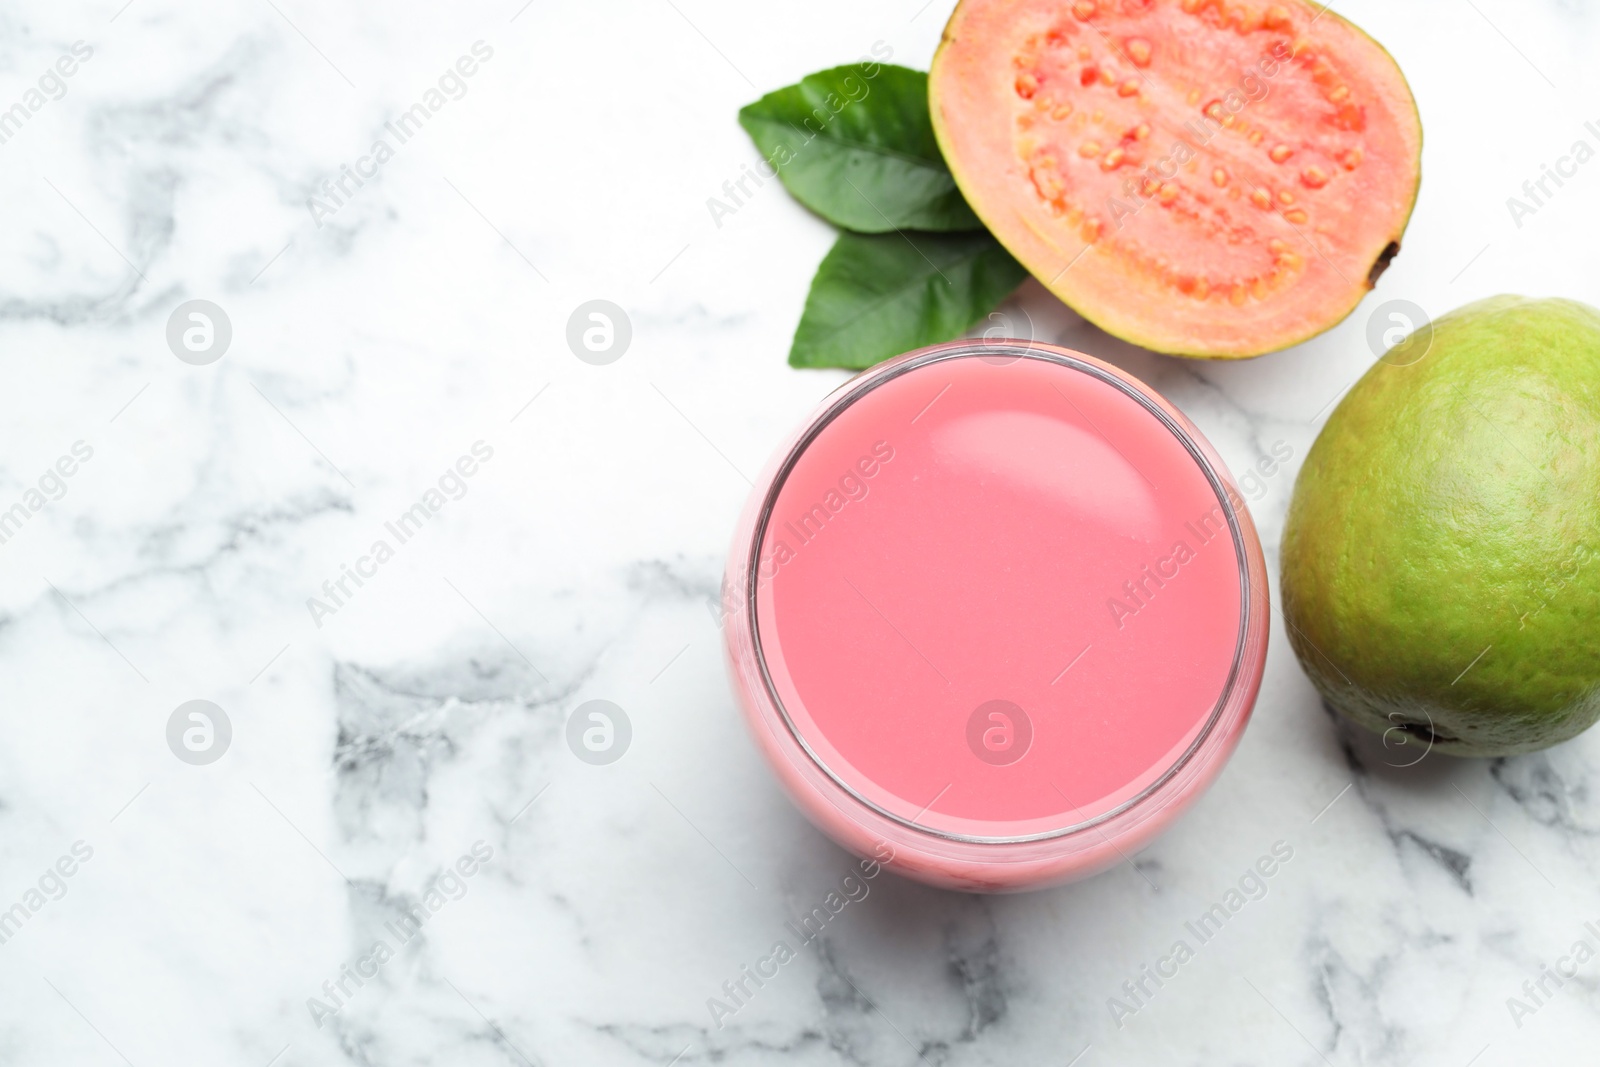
<point>1441,559</point>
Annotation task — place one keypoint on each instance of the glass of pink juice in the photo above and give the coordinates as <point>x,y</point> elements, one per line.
<point>996,614</point>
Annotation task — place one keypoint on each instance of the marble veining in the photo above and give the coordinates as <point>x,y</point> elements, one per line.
<point>232,912</point>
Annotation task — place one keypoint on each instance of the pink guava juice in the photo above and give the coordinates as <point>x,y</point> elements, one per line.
<point>996,614</point>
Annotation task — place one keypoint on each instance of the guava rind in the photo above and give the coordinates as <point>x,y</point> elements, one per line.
<point>1156,320</point>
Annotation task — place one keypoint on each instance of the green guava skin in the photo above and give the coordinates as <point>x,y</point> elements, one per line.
<point>1451,506</point>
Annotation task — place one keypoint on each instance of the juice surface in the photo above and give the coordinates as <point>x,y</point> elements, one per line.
<point>998,597</point>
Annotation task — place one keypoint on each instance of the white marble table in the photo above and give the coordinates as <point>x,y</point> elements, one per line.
<point>374,746</point>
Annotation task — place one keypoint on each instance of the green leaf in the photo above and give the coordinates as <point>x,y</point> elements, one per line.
<point>876,296</point>
<point>860,150</point>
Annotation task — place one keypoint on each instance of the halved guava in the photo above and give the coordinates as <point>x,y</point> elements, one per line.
<point>1201,177</point>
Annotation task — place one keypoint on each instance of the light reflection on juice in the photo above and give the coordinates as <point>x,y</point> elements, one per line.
<point>998,599</point>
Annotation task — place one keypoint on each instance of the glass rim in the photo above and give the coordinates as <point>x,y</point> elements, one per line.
<point>899,366</point>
